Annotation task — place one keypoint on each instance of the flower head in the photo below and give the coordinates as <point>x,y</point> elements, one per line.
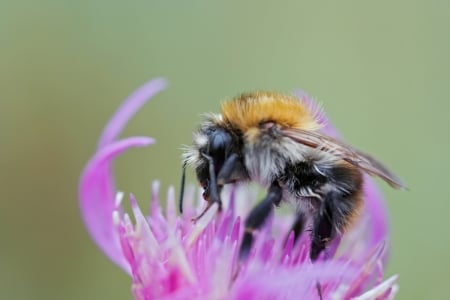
<point>169,257</point>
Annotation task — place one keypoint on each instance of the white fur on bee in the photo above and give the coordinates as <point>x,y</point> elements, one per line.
<point>191,154</point>
<point>266,159</point>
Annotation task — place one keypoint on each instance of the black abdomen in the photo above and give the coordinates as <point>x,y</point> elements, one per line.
<point>334,192</point>
<point>304,176</point>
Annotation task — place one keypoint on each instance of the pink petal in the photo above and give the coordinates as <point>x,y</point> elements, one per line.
<point>376,210</point>
<point>97,194</point>
<point>291,283</point>
<point>128,108</point>
<point>385,290</point>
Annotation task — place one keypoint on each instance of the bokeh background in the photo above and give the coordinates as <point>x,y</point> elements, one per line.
<point>381,69</point>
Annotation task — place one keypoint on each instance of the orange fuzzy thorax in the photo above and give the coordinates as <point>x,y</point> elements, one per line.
<point>250,110</point>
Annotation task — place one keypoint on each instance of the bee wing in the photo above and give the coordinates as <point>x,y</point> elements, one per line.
<point>345,152</point>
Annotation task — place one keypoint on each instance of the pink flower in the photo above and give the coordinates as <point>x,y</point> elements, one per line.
<point>169,257</point>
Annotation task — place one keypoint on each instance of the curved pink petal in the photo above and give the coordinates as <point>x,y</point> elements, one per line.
<point>377,212</point>
<point>97,194</point>
<point>96,189</point>
<point>128,108</point>
<point>375,208</point>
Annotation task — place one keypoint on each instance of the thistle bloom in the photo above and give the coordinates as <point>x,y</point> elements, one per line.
<point>169,257</point>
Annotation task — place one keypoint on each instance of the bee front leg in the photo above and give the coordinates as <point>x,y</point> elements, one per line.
<point>212,190</point>
<point>233,170</point>
<point>257,217</point>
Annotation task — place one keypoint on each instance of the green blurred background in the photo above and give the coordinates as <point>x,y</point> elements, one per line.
<point>381,69</point>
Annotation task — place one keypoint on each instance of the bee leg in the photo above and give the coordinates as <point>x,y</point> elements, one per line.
<point>212,192</point>
<point>257,217</point>
<point>298,225</point>
<point>232,170</point>
<point>335,213</point>
<point>213,188</point>
<point>322,233</point>
<point>322,230</point>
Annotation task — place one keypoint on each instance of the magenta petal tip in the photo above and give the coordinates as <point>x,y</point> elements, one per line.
<point>128,108</point>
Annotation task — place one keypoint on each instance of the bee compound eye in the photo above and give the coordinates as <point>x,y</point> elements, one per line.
<point>219,141</point>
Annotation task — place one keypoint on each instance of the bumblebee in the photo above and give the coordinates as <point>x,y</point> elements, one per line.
<point>275,140</point>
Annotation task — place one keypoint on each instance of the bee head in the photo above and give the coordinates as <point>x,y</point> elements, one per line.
<point>219,159</point>
<point>213,143</point>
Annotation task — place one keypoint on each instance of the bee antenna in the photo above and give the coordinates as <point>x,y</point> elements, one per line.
<point>183,180</point>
